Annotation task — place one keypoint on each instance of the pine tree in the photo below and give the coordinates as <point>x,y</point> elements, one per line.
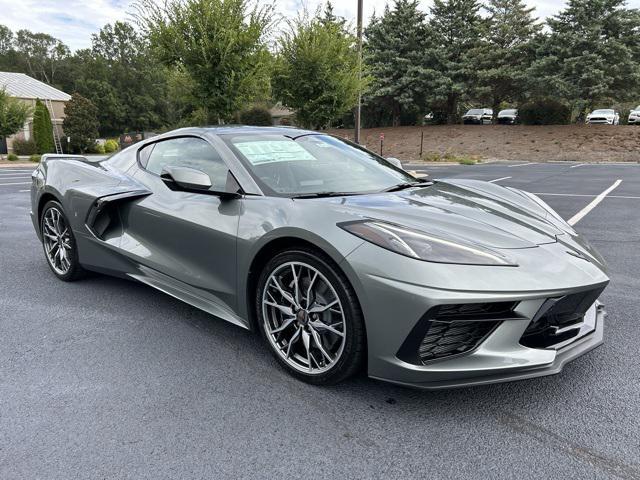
<point>506,54</point>
<point>42,129</point>
<point>592,54</point>
<point>395,49</point>
<point>456,29</point>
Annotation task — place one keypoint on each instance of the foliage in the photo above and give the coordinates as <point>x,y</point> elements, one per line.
<point>316,71</point>
<point>13,114</point>
<point>43,129</point>
<point>97,148</point>
<point>12,157</point>
<point>24,147</point>
<point>395,54</point>
<point>81,122</point>
<point>258,116</point>
<point>35,158</point>
<point>110,146</point>
<point>545,111</point>
<point>221,44</point>
<point>505,56</point>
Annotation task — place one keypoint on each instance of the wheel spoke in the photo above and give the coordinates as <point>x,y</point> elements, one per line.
<point>311,282</point>
<point>284,325</point>
<point>292,341</point>
<point>306,340</point>
<point>318,342</point>
<point>296,287</point>
<point>287,296</point>
<point>284,309</point>
<point>318,325</point>
<point>322,308</point>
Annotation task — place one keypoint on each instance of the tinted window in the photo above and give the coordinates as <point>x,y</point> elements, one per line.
<point>313,164</point>
<point>186,152</point>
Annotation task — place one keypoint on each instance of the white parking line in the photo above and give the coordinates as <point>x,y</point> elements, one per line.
<point>579,165</point>
<point>522,164</point>
<point>626,197</point>
<point>22,183</point>
<point>13,175</point>
<point>499,179</point>
<point>582,213</point>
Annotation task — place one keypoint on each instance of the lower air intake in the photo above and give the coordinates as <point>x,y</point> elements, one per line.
<point>445,339</point>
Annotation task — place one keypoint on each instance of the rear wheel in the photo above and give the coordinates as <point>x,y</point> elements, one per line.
<point>59,244</point>
<point>310,317</point>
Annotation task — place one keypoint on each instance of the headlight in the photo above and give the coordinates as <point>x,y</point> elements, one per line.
<point>423,246</point>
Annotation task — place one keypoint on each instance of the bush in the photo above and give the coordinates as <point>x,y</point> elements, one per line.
<point>43,129</point>
<point>12,157</point>
<point>256,116</point>
<point>545,111</point>
<point>110,146</point>
<point>24,147</point>
<point>34,158</point>
<point>97,148</point>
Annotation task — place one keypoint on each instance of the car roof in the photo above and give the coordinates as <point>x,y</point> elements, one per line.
<point>241,129</point>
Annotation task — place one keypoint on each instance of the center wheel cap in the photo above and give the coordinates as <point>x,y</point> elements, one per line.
<point>302,318</point>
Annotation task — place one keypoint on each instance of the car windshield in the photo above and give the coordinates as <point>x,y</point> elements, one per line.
<point>508,112</point>
<point>603,112</point>
<point>313,164</point>
<point>475,111</point>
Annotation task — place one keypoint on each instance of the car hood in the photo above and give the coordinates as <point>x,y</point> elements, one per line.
<point>470,210</point>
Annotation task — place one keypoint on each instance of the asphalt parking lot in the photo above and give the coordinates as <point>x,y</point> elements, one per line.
<point>106,378</point>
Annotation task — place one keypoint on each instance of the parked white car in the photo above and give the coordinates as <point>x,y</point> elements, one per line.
<point>606,116</point>
<point>634,116</point>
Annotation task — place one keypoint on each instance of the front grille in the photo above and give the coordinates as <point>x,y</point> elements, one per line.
<point>449,330</point>
<point>445,339</point>
<point>559,319</point>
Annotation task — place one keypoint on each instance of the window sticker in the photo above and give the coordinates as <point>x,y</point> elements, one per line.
<point>272,151</point>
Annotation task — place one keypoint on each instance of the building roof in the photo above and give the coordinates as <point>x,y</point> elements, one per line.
<point>19,85</point>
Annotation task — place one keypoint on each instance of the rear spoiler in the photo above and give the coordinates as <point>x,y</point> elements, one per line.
<point>63,156</point>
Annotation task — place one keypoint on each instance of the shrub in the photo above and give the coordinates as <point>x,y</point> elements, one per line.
<point>34,158</point>
<point>545,111</point>
<point>43,129</point>
<point>24,147</point>
<point>256,116</point>
<point>110,146</point>
<point>98,148</point>
<point>12,157</point>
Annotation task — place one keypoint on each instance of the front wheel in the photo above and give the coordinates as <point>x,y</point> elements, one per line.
<point>310,317</point>
<point>59,244</point>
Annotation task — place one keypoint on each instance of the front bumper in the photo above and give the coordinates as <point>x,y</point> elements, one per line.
<point>394,308</point>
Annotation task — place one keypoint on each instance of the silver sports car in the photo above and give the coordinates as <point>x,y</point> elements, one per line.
<point>342,260</point>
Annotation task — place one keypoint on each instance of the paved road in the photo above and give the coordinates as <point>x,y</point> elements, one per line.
<point>106,378</point>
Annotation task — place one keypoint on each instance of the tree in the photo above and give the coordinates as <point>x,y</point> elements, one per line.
<point>43,54</point>
<point>506,55</point>
<point>395,55</point>
<point>455,29</point>
<point>222,44</point>
<point>317,70</point>
<point>13,115</point>
<point>42,129</point>
<point>592,54</point>
<point>81,122</point>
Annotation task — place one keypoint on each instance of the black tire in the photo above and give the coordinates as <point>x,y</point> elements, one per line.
<point>74,270</point>
<point>352,358</point>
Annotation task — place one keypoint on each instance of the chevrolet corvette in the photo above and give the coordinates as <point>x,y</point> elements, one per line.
<point>340,259</point>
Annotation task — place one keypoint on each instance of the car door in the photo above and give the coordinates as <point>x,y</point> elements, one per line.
<point>189,238</point>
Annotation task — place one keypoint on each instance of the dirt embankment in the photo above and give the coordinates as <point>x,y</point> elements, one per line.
<point>582,143</point>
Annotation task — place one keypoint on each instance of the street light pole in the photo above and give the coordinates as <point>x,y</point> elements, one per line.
<point>357,133</point>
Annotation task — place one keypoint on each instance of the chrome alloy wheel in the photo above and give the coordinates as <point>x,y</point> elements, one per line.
<point>303,318</point>
<point>57,240</point>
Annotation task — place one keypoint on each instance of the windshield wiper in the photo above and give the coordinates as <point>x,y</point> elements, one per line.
<point>404,186</point>
<point>325,194</point>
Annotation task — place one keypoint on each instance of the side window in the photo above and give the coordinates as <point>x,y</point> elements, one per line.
<point>186,152</point>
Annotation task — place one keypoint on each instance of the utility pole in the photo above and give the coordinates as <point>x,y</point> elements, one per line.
<point>357,133</point>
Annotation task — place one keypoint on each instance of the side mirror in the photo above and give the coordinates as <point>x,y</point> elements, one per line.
<point>395,162</point>
<point>192,180</point>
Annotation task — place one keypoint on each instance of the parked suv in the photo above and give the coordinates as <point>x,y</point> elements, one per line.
<point>606,116</point>
<point>634,116</point>
<point>508,117</point>
<point>478,116</point>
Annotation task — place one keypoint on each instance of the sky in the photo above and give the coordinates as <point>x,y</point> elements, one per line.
<point>74,21</point>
